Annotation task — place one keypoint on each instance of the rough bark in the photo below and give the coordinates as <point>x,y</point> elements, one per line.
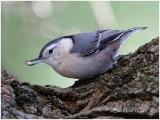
<point>129,90</point>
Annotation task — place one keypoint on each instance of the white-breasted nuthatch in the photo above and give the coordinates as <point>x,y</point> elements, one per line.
<point>83,55</point>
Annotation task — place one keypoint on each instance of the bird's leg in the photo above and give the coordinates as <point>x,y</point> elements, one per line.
<point>116,59</point>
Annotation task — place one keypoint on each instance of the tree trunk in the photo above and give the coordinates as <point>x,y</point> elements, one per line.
<point>129,90</point>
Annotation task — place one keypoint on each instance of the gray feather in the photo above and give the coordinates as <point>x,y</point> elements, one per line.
<point>88,43</point>
<point>85,43</point>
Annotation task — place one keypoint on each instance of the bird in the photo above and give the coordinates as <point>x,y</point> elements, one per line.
<point>84,55</point>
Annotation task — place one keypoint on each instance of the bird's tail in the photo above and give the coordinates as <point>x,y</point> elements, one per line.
<point>136,29</point>
<point>126,33</point>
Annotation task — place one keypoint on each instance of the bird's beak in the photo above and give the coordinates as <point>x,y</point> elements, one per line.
<point>34,61</point>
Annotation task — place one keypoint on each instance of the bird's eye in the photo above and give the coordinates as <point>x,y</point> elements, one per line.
<point>50,51</point>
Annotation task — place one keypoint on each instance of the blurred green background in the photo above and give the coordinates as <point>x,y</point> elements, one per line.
<point>28,26</point>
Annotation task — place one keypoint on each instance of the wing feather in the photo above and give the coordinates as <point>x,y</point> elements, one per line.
<point>89,43</point>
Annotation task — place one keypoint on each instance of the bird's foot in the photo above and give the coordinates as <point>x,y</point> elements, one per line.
<point>117,59</point>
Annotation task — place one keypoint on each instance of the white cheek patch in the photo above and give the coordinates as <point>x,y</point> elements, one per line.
<point>66,44</point>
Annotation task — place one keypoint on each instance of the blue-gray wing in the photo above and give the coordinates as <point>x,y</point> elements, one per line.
<point>85,43</point>
<point>89,43</point>
<point>106,37</point>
